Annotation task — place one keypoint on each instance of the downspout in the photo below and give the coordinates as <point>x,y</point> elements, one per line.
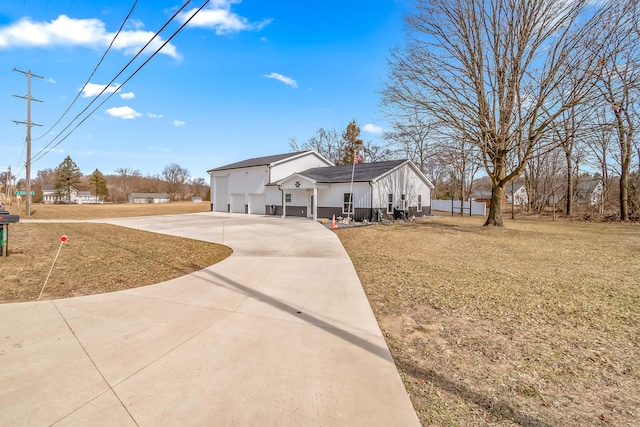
<point>371,201</point>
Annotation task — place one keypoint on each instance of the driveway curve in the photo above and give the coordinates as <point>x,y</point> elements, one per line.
<point>278,334</point>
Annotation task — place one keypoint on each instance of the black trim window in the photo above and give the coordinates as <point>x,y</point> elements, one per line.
<point>287,198</point>
<point>390,203</point>
<point>347,206</point>
<point>419,202</point>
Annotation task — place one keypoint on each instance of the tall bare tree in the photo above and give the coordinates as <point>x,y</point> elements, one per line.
<point>487,71</point>
<point>620,85</point>
<point>175,177</point>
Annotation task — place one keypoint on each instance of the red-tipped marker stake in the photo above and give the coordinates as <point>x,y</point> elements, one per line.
<point>62,240</point>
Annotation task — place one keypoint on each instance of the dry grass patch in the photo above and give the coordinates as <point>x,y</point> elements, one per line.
<point>107,210</point>
<point>536,324</point>
<point>96,258</point>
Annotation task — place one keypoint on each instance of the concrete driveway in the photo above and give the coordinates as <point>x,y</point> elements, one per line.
<point>278,334</point>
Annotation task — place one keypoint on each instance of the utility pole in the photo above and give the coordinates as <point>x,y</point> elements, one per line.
<point>29,124</point>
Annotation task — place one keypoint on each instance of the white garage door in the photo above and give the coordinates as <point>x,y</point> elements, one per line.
<point>256,204</point>
<point>221,194</point>
<point>237,203</point>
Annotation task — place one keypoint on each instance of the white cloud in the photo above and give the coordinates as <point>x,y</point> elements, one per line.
<point>372,128</point>
<point>50,80</point>
<point>127,95</point>
<point>154,116</point>
<point>65,31</point>
<point>284,79</point>
<point>92,89</point>
<point>123,112</point>
<point>218,17</point>
<point>179,123</point>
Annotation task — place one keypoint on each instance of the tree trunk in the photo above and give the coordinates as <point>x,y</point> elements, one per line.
<point>624,190</point>
<point>569,194</point>
<point>495,210</point>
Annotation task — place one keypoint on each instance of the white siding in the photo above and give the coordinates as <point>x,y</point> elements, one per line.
<point>333,197</point>
<point>402,181</point>
<point>299,164</point>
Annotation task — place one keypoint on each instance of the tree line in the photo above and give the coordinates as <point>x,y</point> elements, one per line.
<point>539,90</point>
<point>174,180</point>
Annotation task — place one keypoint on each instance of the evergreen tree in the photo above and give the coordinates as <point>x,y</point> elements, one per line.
<point>99,183</point>
<point>67,178</point>
<point>352,142</point>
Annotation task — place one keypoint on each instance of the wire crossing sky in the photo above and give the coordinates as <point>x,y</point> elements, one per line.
<point>239,80</point>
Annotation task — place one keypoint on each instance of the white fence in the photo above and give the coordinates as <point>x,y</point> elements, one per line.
<point>477,208</point>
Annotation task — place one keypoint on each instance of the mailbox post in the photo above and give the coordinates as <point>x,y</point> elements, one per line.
<point>5,220</point>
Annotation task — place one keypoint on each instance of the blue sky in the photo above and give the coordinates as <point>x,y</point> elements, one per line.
<point>237,82</point>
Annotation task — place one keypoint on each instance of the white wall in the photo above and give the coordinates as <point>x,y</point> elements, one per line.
<point>333,197</point>
<point>299,164</point>
<point>402,181</point>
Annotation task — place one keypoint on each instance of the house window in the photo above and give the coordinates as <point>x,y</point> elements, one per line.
<point>287,198</point>
<point>347,206</point>
<point>390,204</point>
<point>403,202</point>
<point>419,202</point>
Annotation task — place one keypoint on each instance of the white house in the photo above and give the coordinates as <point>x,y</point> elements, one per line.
<point>519,194</point>
<point>308,185</point>
<point>51,195</point>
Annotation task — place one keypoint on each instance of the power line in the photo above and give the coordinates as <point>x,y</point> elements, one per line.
<point>92,73</point>
<point>46,148</point>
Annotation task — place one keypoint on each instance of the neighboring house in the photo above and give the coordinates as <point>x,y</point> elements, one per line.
<point>149,198</point>
<point>87,198</point>
<point>519,194</point>
<point>50,196</point>
<point>308,185</point>
<point>589,191</point>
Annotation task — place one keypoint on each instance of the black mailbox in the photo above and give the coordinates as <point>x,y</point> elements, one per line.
<point>5,220</point>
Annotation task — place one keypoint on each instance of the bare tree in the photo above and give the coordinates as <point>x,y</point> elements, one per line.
<point>487,71</point>
<point>619,81</point>
<point>412,137</point>
<point>128,178</point>
<point>175,177</point>
<point>326,142</point>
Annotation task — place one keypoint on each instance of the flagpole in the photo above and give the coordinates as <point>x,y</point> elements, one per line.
<point>353,170</point>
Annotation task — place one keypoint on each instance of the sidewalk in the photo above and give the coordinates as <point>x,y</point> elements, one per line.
<point>280,333</point>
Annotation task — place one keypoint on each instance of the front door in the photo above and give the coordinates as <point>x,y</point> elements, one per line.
<point>310,206</point>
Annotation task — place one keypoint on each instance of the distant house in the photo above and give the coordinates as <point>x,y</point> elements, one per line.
<point>519,194</point>
<point>589,191</point>
<point>87,198</point>
<point>149,198</point>
<point>308,185</point>
<point>50,196</point>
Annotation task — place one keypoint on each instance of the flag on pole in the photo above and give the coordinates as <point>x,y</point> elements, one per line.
<point>356,159</point>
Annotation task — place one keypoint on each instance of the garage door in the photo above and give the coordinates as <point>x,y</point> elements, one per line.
<point>221,194</point>
<point>256,204</point>
<point>237,203</point>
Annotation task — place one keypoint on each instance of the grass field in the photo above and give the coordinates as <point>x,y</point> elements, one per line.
<point>97,258</point>
<point>536,324</point>
<point>107,210</point>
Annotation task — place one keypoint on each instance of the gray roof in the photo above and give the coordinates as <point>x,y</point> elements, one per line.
<point>257,161</point>
<point>363,172</point>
